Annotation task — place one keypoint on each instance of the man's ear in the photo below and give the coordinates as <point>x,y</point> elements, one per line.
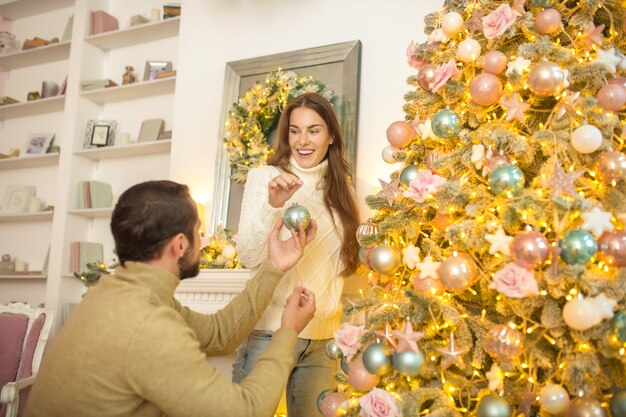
<point>178,245</point>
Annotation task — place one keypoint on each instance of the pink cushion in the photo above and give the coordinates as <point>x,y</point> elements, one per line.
<point>13,329</point>
<point>26,366</point>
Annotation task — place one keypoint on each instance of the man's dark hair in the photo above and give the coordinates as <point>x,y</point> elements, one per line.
<point>147,215</point>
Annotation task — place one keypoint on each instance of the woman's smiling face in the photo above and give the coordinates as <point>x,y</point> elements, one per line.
<point>309,138</point>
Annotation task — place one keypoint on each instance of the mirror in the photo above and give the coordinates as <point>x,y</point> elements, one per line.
<point>336,65</point>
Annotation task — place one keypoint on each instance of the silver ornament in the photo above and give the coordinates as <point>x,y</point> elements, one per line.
<point>384,259</point>
<point>493,406</point>
<point>332,350</point>
<point>408,362</point>
<point>295,215</point>
<point>377,359</point>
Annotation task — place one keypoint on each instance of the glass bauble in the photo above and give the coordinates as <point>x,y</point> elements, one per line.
<point>426,76</point>
<point>330,404</point>
<point>618,404</point>
<point>586,139</point>
<point>548,21</point>
<point>360,378</point>
<point>468,50</point>
<point>546,79</point>
<point>583,407</point>
<point>332,350</point>
<point>554,399</point>
<point>388,154</point>
<point>612,97</point>
<point>457,272</point>
<point>408,362</point>
<point>446,124</point>
<point>577,247</point>
<point>295,215</point>
<point>408,174</point>
<point>368,228</point>
<point>377,359</point>
<point>428,285</point>
<point>452,23</point>
<point>400,133</point>
<point>506,179</point>
<point>610,166</point>
<point>493,406</point>
<point>494,62</point>
<point>580,314</point>
<point>485,89</point>
<point>618,325</point>
<point>530,249</point>
<point>321,397</point>
<point>504,342</point>
<point>612,248</point>
<point>384,259</point>
<point>364,256</point>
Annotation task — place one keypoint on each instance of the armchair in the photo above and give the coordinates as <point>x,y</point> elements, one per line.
<point>24,332</point>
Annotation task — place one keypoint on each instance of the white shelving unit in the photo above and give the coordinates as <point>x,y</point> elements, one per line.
<point>99,56</point>
<point>33,161</point>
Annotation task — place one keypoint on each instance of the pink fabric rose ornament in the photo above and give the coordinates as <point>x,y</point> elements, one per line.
<point>499,21</point>
<point>515,282</point>
<point>413,62</point>
<point>379,403</point>
<point>443,74</point>
<point>424,184</point>
<point>347,338</point>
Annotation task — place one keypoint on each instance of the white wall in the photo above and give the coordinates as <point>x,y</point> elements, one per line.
<point>219,31</point>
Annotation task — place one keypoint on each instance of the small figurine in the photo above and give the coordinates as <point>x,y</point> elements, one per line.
<point>33,95</point>
<point>129,75</point>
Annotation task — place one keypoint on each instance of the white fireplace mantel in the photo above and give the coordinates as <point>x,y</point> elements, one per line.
<point>212,289</point>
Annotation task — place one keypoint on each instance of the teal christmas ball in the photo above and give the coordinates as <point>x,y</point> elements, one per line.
<point>618,404</point>
<point>408,174</point>
<point>377,359</point>
<point>577,247</point>
<point>507,178</point>
<point>295,215</point>
<point>364,256</point>
<point>332,350</point>
<point>446,124</point>
<point>344,364</point>
<point>618,324</point>
<point>543,3</point>
<point>321,397</point>
<point>408,362</point>
<point>493,406</point>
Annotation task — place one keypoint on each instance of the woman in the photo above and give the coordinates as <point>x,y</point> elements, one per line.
<point>308,168</point>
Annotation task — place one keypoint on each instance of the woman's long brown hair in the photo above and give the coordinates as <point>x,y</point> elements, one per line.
<point>338,192</point>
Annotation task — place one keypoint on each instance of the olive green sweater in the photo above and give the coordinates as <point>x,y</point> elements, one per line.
<point>131,349</point>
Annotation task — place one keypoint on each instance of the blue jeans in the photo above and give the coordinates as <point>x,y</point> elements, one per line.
<point>313,371</point>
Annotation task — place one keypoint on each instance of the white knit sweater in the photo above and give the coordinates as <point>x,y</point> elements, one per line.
<point>320,265</point>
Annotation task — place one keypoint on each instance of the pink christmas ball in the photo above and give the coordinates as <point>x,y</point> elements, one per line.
<point>612,248</point>
<point>468,50</point>
<point>530,249</point>
<point>427,285</point>
<point>612,97</point>
<point>486,89</point>
<point>546,79</point>
<point>452,23</point>
<point>360,378</point>
<point>331,402</point>
<point>400,134</point>
<point>457,272</point>
<point>621,81</point>
<point>548,21</point>
<point>610,166</point>
<point>426,76</point>
<point>494,62</point>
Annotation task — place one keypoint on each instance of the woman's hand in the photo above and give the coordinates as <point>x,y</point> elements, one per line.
<point>283,255</point>
<point>281,188</point>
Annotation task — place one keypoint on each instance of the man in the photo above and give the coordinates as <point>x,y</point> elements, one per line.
<point>130,349</point>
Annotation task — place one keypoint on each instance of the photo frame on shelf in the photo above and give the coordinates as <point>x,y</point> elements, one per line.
<point>38,143</point>
<point>100,133</point>
<point>16,198</point>
<point>153,68</point>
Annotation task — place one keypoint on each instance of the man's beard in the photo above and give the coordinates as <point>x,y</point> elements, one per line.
<point>187,265</point>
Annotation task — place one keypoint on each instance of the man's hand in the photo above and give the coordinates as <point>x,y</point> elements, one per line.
<point>299,309</point>
<point>281,188</point>
<point>284,255</point>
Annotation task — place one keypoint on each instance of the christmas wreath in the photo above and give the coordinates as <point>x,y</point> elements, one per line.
<point>250,121</point>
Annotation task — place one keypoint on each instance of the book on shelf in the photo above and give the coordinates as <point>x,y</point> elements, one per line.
<point>83,253</point>
<point>101,22</point>
<point>94,84</point>
<point>67,33</point>
<point>138,20</point>
<point>171,10</point>
<point>94,194</point>
<point>151,129</point>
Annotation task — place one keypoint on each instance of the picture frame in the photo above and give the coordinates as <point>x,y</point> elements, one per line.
<point>38,143</point>
<point>16,198</point>
<point>99,133</point>
<point>155,67</point>
<point>336,65</point>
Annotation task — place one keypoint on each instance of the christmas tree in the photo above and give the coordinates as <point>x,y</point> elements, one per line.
<point>497,247</point>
